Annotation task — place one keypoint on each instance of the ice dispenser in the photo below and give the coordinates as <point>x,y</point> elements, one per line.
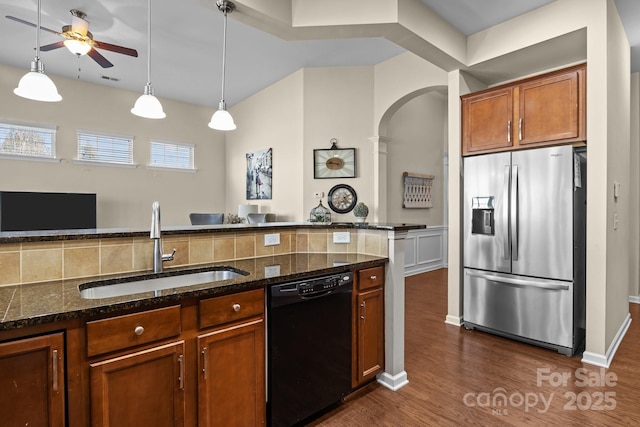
<point>482,220</point>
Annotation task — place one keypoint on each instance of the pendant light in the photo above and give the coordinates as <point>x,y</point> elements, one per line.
<point>147,105</point>
<point>36,85</point>
<point>221,119</point>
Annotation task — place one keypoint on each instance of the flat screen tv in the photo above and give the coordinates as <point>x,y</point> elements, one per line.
<point>27,211</point>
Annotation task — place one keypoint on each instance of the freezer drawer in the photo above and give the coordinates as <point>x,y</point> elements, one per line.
<point>534,309</point>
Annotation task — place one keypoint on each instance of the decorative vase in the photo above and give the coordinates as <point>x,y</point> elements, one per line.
<point>361,211</point>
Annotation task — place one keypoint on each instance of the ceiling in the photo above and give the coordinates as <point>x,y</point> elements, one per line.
<point>186,43</point>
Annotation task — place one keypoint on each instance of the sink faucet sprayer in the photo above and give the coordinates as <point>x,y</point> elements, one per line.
<point>156,235</point>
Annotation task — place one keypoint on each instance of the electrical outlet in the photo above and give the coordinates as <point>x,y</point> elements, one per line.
<point>271,270</point>
<point>272,239</point>
<point>318,194</point>
<point>341,237</point>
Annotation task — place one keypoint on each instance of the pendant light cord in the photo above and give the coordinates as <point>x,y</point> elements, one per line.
<point>224,50</point>
<point>38,31</point>
<point>149,42</point>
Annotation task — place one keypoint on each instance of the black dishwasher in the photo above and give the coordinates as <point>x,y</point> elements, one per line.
<point>309,347</point>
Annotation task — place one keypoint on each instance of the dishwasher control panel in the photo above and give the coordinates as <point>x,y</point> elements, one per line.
<point>323,284</point>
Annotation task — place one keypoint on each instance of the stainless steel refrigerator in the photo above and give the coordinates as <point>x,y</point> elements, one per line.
<point>524,245</point>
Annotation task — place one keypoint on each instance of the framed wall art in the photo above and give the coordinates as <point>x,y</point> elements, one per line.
<point>259,175</point>
<point>334,162</point>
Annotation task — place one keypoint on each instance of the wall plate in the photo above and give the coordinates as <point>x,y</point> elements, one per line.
<point>341,237</point>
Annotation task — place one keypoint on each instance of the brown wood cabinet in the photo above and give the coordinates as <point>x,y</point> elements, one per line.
<point>32,381</point>
<point>544,110</point>
<point>231,384</point>
<point>141,388</point>
<point>202,362</point>
<point>368,330</point>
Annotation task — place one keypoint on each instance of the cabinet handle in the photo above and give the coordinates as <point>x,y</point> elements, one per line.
<point>139,330</point>
<point>181,374</point>
<point>204,362</point>
<point>364,310</point>
<point>54,361</point>
<point>373,278</point>
<point>520,129</point>
<point>509,131</point>
<point>236,307</point>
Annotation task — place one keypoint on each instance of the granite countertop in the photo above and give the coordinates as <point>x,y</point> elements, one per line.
<point>98,233</point>
<point>39,303</point>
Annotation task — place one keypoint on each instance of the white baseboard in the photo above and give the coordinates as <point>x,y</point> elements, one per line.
<point>604,360</point>
<point>634,299</point>
<point>453,320</point>
<point>393,382</point>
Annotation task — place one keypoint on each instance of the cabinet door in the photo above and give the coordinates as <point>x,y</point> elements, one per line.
<point>486,121</point>
<point>231,385</point>
<point>139,389</point>
<point>370,332</point>
<point>32,382</point>
<point>551,109</point>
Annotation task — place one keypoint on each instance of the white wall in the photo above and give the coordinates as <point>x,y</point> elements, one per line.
<point>338,103</point>
<point>124,194</point>
<point>272,118</point>
<point>417,133</point>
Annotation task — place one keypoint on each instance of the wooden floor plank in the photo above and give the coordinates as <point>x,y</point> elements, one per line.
<point>456,377</point>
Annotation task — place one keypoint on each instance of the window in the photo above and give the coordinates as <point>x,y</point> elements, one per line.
<point>171,155</point>
<point>105,148</point>
<point>27,141</point>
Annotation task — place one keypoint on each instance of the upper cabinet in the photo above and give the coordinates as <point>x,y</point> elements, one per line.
<point>544,110</point>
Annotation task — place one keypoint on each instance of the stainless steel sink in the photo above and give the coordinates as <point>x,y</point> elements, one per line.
<point>152,283</point>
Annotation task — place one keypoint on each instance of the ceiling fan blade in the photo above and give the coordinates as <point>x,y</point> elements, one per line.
<point>52,46</point>
<point>22,21</point>
<point>104,62</point>
<point>115,48</point>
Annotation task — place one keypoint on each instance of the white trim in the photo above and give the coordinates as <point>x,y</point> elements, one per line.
<point>168,168</point>
<point>393,382</point>
<point>453,320</point>
<point>634,299</point>
<point>107,164</point>
<point>416,260</point>
<point>604,360</point>
<point>30,158</point>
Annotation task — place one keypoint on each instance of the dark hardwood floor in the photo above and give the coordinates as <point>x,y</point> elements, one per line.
<point>465,378</point>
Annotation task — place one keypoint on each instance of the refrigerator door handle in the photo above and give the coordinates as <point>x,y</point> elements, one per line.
<point>506,247</point>
<point>550,285</point>
<point>514,213</point>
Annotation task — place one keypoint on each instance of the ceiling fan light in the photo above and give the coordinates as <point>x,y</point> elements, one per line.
<point>148,106</point>
<point>77,46</point>
<point>36,85</point>
<point>222,120</point>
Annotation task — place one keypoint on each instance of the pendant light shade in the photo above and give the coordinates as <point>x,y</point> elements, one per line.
<point>147,105</point>
<point>221,119</point>
<point>36,85</point>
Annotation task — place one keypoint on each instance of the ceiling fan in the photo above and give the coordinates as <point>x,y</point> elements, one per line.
<point>79,40</point>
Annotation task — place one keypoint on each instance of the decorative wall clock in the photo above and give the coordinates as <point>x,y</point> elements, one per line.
<point>334,162</point>
<point>342,198</point>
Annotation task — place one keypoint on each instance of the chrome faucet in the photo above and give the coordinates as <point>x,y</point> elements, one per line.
<point>156,235</point>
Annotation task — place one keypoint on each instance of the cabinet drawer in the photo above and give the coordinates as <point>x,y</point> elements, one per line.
<point>230,308</point>
<point>370,277</point>
<point>117,333</point>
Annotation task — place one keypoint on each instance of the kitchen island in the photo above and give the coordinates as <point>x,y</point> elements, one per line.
<point>41,272</point>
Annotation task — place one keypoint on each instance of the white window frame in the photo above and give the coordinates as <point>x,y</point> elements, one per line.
<point>107,157</point>
<point>165,160</point>
<point>29,151</point>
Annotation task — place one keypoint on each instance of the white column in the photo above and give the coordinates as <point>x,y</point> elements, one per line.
<point>394,375</point>
<point>379,178</point>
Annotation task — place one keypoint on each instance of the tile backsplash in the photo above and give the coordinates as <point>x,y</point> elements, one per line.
<point>54,260</point>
